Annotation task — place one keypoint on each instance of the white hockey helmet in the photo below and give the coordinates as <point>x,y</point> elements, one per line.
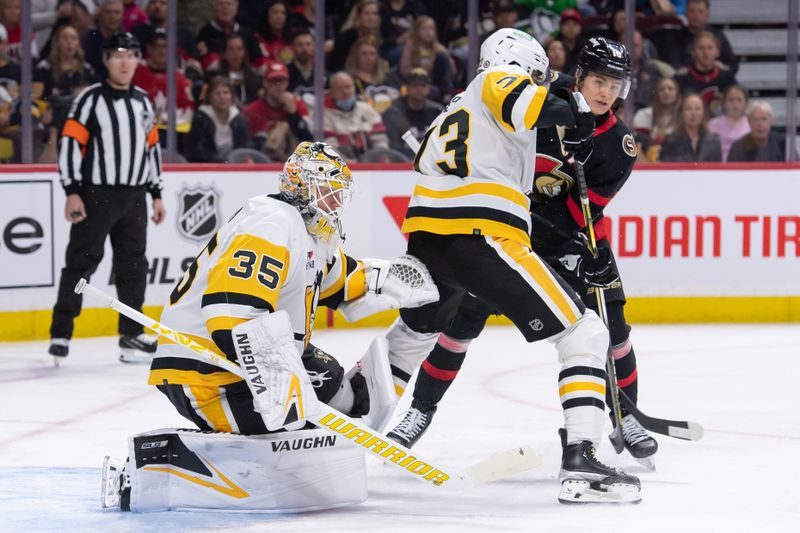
<point>509,46</point>
<point>317,181</point>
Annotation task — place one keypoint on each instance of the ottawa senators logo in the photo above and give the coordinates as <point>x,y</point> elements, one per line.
<point>629,145</point>
<point>551,180</point>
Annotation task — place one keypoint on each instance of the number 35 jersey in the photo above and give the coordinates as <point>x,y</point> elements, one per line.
<point>262,260</point>
<point>477,160</point>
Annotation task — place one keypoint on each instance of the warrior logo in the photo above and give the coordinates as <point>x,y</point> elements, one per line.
<point>199,213</point>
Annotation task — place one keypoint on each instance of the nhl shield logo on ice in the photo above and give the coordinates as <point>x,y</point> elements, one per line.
<point>199,214</point>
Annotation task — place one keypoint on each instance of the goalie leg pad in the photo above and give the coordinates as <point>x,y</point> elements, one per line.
<point>582,350</point>
<point>282,391</point>
<point>377,405</point>
<point>407,349</point>
<point>307,470</point>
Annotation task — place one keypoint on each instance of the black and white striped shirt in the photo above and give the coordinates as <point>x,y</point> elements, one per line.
<point>110,138</point>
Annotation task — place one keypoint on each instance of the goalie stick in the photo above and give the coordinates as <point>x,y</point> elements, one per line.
<point>672,428</point>
<point>374,442</point>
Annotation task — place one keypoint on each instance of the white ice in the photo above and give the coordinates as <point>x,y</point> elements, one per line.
<point>739,382</point>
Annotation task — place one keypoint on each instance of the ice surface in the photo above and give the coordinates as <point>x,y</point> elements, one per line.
<point>738,381</point>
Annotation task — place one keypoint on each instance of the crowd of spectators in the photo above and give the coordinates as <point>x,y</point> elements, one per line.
<point>245,76</point>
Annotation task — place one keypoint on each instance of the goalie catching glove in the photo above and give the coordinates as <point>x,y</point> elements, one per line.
<point>403,282</point>
<point>282,391</point>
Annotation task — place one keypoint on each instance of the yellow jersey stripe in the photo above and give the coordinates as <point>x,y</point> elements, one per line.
<point>356,283</point>
<point>337,285</point>
<point>186,377</point>
<point>466,226</point>
<point>582,386</point>
<point>224,322</point>
<point>488,189</point>
<point>497,85</point>
<point>535,107</point>
<point>208,402</point>
<point>540,274</point>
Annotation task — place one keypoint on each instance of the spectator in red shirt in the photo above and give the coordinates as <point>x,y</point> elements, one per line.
<point>274,39</point>
<point>151,75</point>
<point>11,18</point>
<point>278,120</point>
<point>705,76</point>
<point>132,15</point>
<point>351,127</point>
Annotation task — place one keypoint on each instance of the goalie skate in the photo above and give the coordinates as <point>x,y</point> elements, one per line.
<point>584,479</point>
<point>115,486</point>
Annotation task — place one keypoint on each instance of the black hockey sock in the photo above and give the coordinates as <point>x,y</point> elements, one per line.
<point>625,365</point>
<point>438,371</point>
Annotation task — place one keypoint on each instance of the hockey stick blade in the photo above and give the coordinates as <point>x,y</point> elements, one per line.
<point>503,465</point>
<point>679,429</point>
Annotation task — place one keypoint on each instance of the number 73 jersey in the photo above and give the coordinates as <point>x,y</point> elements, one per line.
<point>478,158</point>
<point>260,261</point>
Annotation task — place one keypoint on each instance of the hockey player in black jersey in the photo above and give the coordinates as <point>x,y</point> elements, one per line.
<point>558,237</point>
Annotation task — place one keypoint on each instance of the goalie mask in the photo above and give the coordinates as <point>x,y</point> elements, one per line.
<point>316,180</point>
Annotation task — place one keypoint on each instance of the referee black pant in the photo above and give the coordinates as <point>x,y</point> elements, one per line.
<point>118,212</point>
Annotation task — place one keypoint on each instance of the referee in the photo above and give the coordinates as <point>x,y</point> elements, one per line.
<point>109,158</point>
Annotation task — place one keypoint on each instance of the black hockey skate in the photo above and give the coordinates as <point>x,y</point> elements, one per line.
<point>412,426</point>
<point>59,349</point>
<point>584,479</point>
<point>639,444</point>
<point>138,349</point>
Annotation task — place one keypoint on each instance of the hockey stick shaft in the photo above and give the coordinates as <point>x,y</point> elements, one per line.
<point>330,419</point>
<point>583,192</point>
<point>679,429</point>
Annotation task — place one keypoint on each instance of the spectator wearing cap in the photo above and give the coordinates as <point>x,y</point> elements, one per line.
<point>569,33</point>
<point>278,119</point>
<point>301,69</point>
<point>351,127</point>
<point>211,37</point>
<point>151,76</point>
<point>413,112</point>
<point>762,143</point>
<point>108,22</point>
<point>234,65</point>
<point>675,47</point>
<point>218,126</point>
<point>704,75</point>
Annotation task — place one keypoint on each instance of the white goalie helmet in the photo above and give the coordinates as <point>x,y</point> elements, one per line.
<point>317,181</point>
<point>509,46</point>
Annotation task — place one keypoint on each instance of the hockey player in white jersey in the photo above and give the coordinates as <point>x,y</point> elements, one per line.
<point>469,223</point>
<point>262,276</point>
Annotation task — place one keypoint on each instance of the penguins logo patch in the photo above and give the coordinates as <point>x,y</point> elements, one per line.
<point>629,145</point>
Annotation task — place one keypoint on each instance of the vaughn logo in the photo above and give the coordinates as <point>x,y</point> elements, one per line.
<point>199,214</point>
<point>304,444</point>
<point>248,361</point>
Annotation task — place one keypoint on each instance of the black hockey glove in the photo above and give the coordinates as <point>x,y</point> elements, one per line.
<point>579,141</point>
<point>597,272</point>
